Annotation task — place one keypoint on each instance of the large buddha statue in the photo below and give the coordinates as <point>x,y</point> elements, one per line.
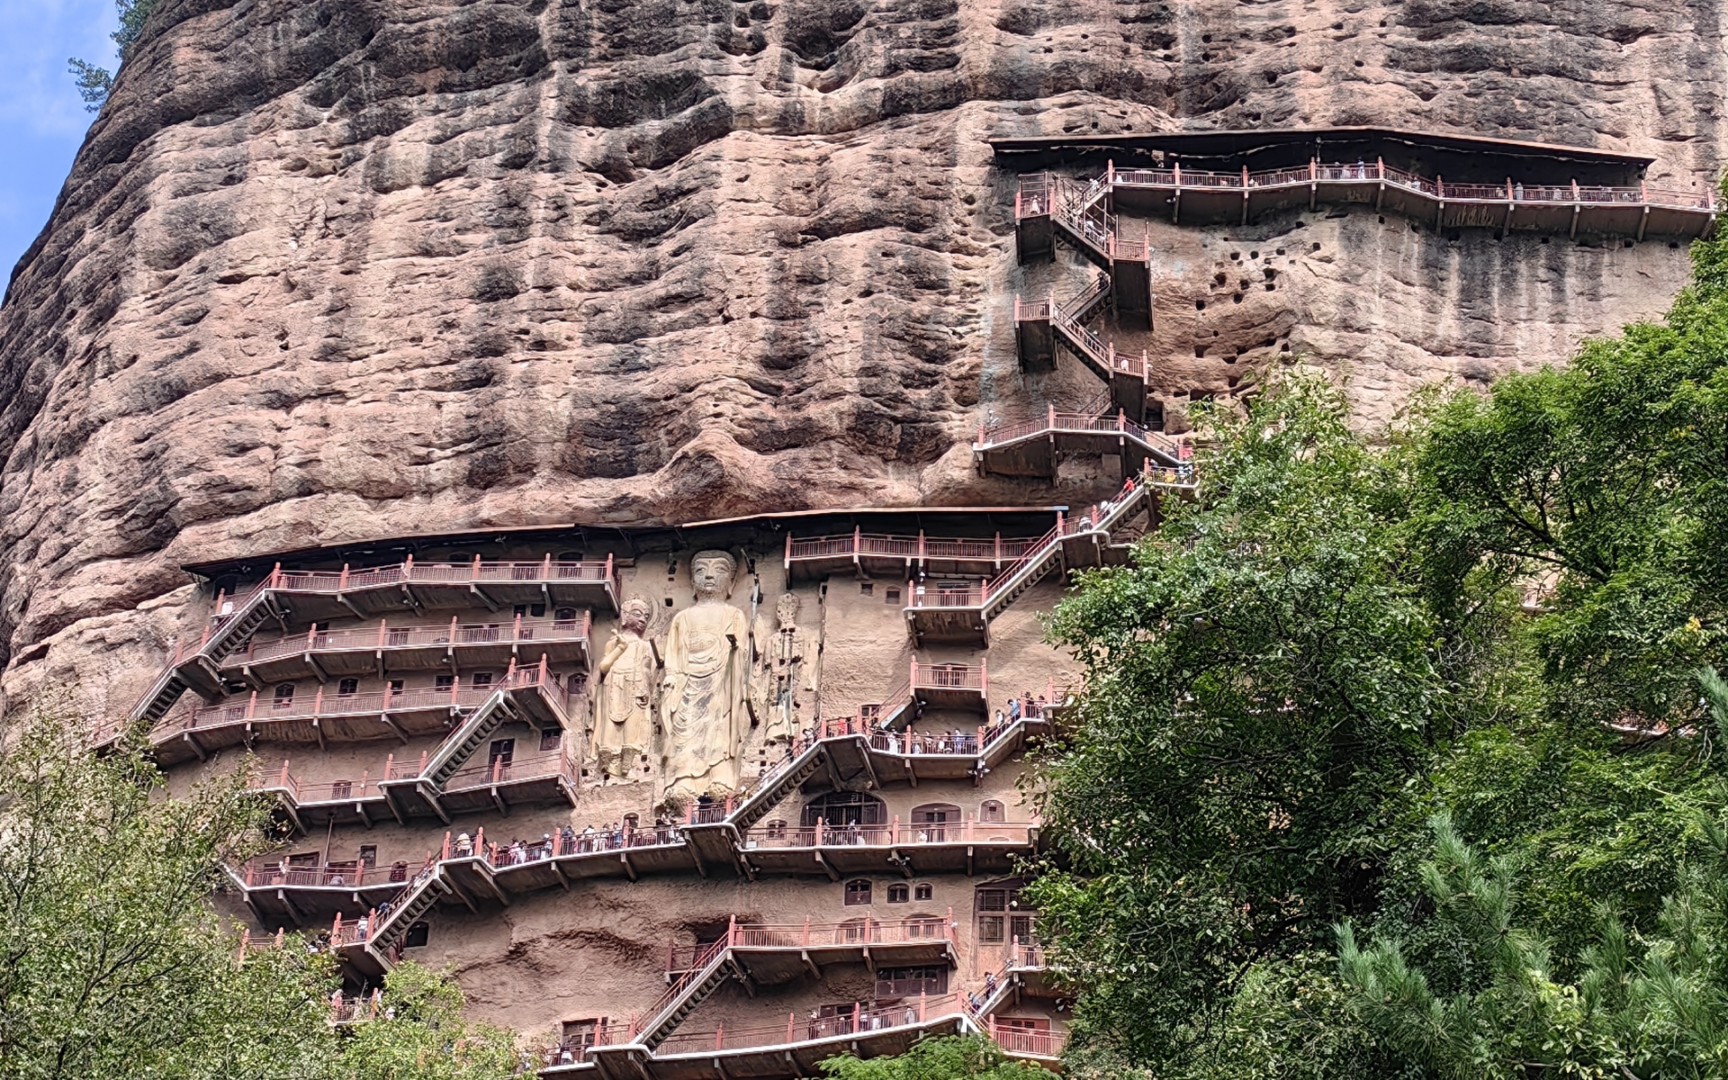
<point>625,726</point>
<point>704,716</point>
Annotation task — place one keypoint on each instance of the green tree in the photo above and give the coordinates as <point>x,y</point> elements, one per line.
<point>420,1034</point>
<point>947,1058</point>
<point>95,82</point>
<point>112,961</point>
<point>1261,680</point>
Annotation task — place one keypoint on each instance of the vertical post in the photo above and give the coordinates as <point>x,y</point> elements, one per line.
<point>318,702</point>
<point>475,571</point>
<point>342,582</point>
<point>791,1019</point>
<point>719,1035</point>
<point>998,549</point>
<point>894,830</point>
<point>856,1009</point>
<point>969,821</point>
<point>788,551</point>
<point>408,567</point>
<point>923,1004</point>
<point>819,824</point>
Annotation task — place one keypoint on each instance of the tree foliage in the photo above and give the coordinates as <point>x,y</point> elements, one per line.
<point>113,963</point>
<point>95,82</point>
<point>1401,753</point>
<point>1259,682</point>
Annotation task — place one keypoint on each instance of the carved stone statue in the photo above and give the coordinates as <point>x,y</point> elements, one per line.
<point>785,671</point>
<point>704,715</point>
<point>625,726</point>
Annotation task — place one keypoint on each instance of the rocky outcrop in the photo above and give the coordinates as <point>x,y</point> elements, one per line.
<point>339,269</point>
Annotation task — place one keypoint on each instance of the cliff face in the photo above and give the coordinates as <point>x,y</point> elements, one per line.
<point>340,269</point>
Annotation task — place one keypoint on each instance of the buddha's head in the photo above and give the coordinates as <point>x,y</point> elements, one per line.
<point>711,574</point>
<point>635,614</point>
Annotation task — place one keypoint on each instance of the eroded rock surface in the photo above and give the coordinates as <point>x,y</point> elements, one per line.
<point>341,269</point>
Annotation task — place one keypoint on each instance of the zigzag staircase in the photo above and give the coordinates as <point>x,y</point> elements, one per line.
<point>1046,555</point>
<point>408,794</point>
<point>683,996</point>
<point>197,670</point>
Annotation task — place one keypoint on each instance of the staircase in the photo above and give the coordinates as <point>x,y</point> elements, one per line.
<point>758,803</point>
<point>1045,555</point>
<point>691,989</point>
<point>419,900</point>
<point>232,631</point>
<point>460,745</point>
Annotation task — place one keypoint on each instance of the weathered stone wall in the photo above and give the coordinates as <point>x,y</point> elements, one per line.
<point>335,269</point>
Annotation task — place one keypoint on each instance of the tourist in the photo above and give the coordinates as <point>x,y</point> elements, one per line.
<point>1013,710</point>
<point>399,871</point>
<point>464,845</point>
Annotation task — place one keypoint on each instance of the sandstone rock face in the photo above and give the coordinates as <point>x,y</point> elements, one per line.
<point>337,269</point>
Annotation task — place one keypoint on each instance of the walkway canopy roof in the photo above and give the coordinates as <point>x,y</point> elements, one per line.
<point>1467,158</point>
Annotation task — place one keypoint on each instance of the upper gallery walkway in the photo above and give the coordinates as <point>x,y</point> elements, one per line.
<point>1449,181</point>
<point>288,597</point>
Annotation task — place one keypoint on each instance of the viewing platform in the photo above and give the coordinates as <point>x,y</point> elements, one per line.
<point>881,555</point>
<point>530,694</point>
<point>1197,197</point>
<point>289,597</point>
<point>969,847</point>
<point>328,654</point>
<point>1448,181</point>
<point>1032,448</point>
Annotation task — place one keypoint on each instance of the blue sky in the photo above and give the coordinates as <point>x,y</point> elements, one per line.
<point>42,119</point>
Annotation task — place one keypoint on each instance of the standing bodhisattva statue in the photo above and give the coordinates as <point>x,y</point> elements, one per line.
<point>705,719</point>
<point>626,722</point>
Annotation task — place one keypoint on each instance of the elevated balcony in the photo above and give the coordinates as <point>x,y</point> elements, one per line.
<point>301,596</point>
<point>873,554</point>
<point>380,650</point>
<point>969,847</point>
<point>1567,209</point>
<point>533,694</point>
<point>1031,448</point>
<point>769,954</point>
<point>372,592</point>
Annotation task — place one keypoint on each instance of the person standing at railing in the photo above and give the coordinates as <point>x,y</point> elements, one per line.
<point>464,845</point>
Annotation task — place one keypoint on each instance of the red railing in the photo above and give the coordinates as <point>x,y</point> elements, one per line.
<point>262,874</point>
<point>407,572</point>
<point>949,677</point>
<point>1026,1042</point>
<point>345,1010</point>
<point>894,834</point>
<point>385,637</point>
<point>1361,171</point>
<point>919,547</point>
<point>516,770</point>
<point>861,1022</point>
<point>370,703</point>
<point>1033,198</point>
<point>915,930</point>
<point>574,1050</point>
<point>302,793</point>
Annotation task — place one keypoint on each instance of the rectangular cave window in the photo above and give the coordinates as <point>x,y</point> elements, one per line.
<point>396,635</point>
<point>347,687</point>
<point>891,596</point>
<point>858,892</point>
<point>418,935</point>
<point>579,1035</point>
<point>341,789</point>
<point>480,680</point>
<point>925,891</point>
<point>369,855</point>
<point>992,899</point>
<point>502,750</point>
<point>445,683</point>
<point>830,1020</point>
<point>866,588</point>
<point>396,686</point>
<point>899,894</point>
<point>284,695</point>
<point>549,740</point>
<point>869,713</point>
<point>990,930</point>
